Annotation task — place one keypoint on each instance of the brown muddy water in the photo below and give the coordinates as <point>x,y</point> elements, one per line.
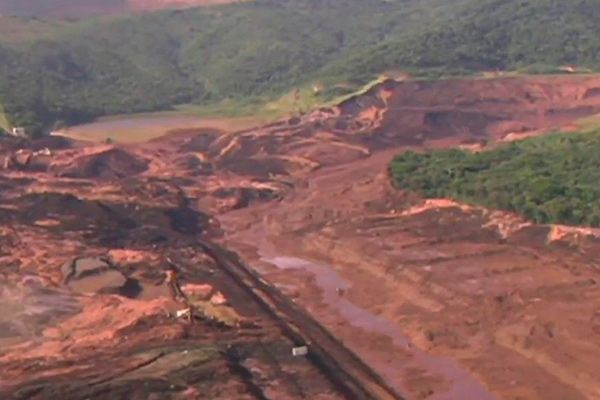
<point>463,385</point>
<point>143,127</point>
<point>130,129</point>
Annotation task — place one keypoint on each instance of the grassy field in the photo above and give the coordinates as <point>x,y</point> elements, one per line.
<point>16,29</point>
<point>267,109</point>
<point>589,124</point>
<point>4,123</point>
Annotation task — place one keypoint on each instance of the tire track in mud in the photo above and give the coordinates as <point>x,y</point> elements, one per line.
<point>354,378</point>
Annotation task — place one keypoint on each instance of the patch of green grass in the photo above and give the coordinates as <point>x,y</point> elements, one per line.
<point>268,109</point>
<point>590,123</point>
<point>229,108</point>
<point>15,30</point>
<point>549,179</point>
<point>4,122</point>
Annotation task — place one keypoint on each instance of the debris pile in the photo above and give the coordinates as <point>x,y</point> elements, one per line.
<point>28,160</point>
<point>202,301</point>
<point>109,164</point>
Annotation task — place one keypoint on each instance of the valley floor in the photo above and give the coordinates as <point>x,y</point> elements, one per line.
<point>445,301</point>
<point>440,300</point>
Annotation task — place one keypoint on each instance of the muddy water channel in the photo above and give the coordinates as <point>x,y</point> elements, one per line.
<point>138,128</point>
<point>132,128</point>
<point>329,282</point>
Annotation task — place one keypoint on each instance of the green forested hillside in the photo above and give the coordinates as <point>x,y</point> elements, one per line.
<point>493,34</point>
<point>60,8</point>
<point>73,72</point>
<point>550,179</point>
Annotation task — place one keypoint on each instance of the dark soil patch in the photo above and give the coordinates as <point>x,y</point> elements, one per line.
<point>111,164</point>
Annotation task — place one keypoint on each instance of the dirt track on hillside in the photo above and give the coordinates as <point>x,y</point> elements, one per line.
<point>443,300</point>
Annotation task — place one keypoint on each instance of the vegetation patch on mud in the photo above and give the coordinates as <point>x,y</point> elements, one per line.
<point>550,179</point>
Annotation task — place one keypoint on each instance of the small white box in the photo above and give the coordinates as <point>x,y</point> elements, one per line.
<point>300,351</point>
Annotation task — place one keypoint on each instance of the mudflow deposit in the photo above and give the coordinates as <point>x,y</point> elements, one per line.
<point>290,235</point>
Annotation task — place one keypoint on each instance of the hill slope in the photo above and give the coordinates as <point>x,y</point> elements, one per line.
<point>493,34</point>
<point>267,47</point>
<point>86,8</point>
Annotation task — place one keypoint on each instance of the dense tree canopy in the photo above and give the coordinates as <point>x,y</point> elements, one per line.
<point>551,179</point>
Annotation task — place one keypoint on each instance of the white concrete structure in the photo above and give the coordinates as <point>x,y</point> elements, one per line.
<point>18,131</point>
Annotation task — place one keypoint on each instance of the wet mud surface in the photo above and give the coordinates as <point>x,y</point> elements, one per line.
<point>86,313</point>
<point>332,286</point>
<point>441,300</point>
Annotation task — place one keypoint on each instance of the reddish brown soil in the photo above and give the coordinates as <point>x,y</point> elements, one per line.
<point>109,164</point>
<point>471,110</point>
<point>442,300</point>
<point>456,281</point>
<point>485,288</point>
<point>113,334</point>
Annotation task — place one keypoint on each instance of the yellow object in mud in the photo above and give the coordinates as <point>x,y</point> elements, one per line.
<point>222,313</point>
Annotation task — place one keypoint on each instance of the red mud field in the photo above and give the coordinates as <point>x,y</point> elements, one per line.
<point>438,300</point>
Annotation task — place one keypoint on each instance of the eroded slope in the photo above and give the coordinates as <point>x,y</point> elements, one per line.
<point>86,308</point>
<point>91,8</point>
